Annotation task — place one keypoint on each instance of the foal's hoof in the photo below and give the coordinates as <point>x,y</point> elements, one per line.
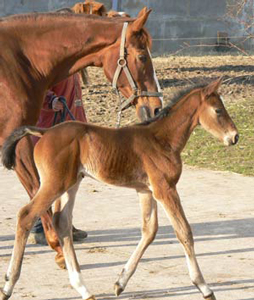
<point>118,289</point>
<point>59,259</point>
<point>211,297</point>
<point>91,298</point>
<point>3,296</point>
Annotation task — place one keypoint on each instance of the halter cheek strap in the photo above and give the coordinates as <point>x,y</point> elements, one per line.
<point>122,65</point>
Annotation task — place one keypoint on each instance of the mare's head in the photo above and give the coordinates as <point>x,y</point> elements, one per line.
<point>137,58</point>
<point>214,117</point>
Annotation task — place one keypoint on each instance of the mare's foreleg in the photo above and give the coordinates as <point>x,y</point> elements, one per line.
<point>63,224</point>
<point>26,219</point>
<point>149,230</point>
<point>170,201</point>
<point>28,176</point>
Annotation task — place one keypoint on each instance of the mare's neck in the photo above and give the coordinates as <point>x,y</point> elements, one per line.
<point>59,45</point>
<point>175,129</point>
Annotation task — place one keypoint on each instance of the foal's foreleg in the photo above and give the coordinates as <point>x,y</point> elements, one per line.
<point>28,176</point>
<point>172,206</point>
<point>149,230</point>
<point>63,224</point>
<point>26,219</point>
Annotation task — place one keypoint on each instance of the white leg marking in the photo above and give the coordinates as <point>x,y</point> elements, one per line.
<point>196,276</point>
<point>78,283</point>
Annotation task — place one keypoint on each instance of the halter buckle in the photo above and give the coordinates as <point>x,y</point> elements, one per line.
<point>121,62</point>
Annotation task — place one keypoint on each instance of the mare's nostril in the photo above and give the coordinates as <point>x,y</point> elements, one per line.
<point>144,113</point>
<point>156,111</point>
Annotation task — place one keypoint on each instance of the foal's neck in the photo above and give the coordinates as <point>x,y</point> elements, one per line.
<point>176,128</point>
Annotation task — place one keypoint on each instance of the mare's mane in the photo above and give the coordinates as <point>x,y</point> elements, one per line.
<point>58,14</point>
<point>177,97</point>
<point>142,36</point>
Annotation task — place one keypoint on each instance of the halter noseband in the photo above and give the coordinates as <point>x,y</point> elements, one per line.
<point>122,65</point>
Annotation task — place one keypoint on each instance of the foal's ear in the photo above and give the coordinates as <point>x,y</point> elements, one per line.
<point>138,24</point>
<point>212,87</point>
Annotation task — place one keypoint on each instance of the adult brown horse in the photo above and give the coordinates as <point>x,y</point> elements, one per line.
<point>40,50</point>
<point>144,157</point>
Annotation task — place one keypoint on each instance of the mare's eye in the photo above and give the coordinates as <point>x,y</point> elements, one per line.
<point>142,57</point>
<point>218,111</point>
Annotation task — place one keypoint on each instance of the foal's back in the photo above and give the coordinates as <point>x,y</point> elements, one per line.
<point>115,156</point>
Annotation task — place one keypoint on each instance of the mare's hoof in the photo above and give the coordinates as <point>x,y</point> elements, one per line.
<point>211,297</point>
<point>3,296</point>
<point>118,289</point>
<point>60,261</point>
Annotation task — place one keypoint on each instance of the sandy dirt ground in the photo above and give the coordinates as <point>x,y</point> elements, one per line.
<point>218,205</point>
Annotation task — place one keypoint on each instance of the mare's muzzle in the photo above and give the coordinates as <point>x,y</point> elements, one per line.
<point>144,113</point>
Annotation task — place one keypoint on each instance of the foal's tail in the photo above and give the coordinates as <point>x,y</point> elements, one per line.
<point>9,146</point>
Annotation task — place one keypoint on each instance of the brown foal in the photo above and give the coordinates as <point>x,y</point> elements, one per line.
<point>145,157</point>
<point>42,49</point>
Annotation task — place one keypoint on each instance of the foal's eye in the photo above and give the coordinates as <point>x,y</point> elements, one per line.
<point>218,111</point>
<point>142,57</point>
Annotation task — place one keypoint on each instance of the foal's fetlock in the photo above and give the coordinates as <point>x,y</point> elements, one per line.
<point>210,297</point>
<point>118,288</point>
<point>3,296</point>
<point>60,261</point>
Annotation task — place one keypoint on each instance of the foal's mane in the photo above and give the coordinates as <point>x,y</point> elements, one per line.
<point>177,97</point>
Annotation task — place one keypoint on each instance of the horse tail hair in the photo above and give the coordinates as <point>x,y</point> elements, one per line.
<point>9,146</point>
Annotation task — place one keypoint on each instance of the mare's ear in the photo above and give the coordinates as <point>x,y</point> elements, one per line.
<point>138,24</point>
<point>143,11</point>
<point>212,87</point>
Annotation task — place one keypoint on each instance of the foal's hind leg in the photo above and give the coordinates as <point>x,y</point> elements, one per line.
<point>149,230</point>
<point>171,203</point>
<point>63,225</point>
<point>26,218</point>
<point>28,176</point>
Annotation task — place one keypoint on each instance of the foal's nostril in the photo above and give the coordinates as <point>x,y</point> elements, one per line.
<point>156,111</point>
<point>236,139</point>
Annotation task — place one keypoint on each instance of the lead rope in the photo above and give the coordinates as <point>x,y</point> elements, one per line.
<point>119,113</point>
<point>62,113</point>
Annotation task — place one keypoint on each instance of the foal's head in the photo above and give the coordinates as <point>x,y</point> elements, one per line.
<point>138,60</point>
<point>214,117</point>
